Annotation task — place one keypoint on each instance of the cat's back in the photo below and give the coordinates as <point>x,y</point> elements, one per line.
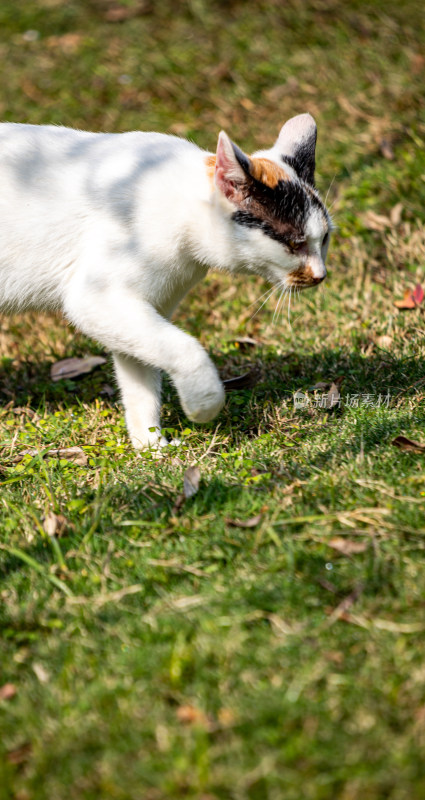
<point>33,157</point>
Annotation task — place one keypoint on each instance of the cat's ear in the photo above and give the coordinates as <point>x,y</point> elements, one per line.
<point>231,168</point>
<point>296,144</point>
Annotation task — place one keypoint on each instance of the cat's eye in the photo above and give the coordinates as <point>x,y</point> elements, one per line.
<point>296,245</point>
<point>325,239</point>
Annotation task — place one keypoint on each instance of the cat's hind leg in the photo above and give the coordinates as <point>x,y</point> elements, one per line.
<point>140,387</point>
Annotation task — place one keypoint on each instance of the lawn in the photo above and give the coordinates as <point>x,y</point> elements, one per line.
<point>263,639</point>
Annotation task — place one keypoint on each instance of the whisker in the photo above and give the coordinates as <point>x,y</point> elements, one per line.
<point>257,299</point>
<point>283,304</point>
<point>276,311</point>
<point>270,294</point>
<point>330,187</point>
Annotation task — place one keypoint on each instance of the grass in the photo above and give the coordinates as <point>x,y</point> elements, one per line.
<point>156,649</point>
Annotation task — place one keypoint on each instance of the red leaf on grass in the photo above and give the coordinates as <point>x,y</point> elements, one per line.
<point>418,294</point>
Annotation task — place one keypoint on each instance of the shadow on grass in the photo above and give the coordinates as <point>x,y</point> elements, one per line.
<point>378,375</point>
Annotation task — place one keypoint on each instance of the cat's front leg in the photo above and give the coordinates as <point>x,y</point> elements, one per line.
<point>140,387</point>
<point>128,325</point>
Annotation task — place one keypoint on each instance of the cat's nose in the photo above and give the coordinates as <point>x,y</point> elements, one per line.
<point>316,268</point>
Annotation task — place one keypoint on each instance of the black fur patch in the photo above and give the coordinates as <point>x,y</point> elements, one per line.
<point>304,160</point>
<point>250,221</point>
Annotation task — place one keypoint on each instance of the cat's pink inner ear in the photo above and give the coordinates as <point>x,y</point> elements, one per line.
<point>229,175</point>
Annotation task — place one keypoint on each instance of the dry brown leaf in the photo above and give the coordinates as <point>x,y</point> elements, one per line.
<point>407,302</point>
<point>408,444</point>
<point>191,480</point>
<point>19,754</point>
<point>347,547</point>
<point>7,691</point>
<point>190,715</point>
<point>332,398</point>
<point>245,523</point>
<point>74,454</point>
<point>118,13</point>
<point>74,367</point>
<point>54,524</point>
<point>69,43</point>
<point>320,386</point>
<point>384,341</point>
<point>411,298</point>
<point>386,149</point>
<point>245,343</point>
<point>245,381</point>
<point>107,390</point>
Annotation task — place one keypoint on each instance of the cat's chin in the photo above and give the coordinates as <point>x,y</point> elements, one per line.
<point>301,286</point>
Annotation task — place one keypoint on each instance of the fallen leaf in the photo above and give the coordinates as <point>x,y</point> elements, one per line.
<point>384,341</point>
<point>19,754</point>
<point>74,367</point>
<point>191,479</point>
<point>118,13</point>
<point>108,390</point>
<point>320,386</point>
<point>407,302</point>
<point>332,398</point>
<point>7,691</point>
<point>69,43</point>
<point>190,715</point>
<point>245,343</point>
<point>417,62</point>
<point>245,381</point>
<point>411,298</point>
<point>54,524</point>
<point>346,546</point>
<point>395,213</point>
<point>386,149</point>
<point>408,444</point>
<point>418,294</point>
<point>74,454</point>
<point>245,523</point>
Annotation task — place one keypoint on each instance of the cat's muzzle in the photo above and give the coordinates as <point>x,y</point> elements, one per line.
<point>304,277</point>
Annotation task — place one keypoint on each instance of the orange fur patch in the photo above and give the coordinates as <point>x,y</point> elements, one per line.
<point>303,277</point>
<point>262,170</point>
<point>267,172</point>
<point>210,162</point>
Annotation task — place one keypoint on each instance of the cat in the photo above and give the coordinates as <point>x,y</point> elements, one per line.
<point>113,230</point>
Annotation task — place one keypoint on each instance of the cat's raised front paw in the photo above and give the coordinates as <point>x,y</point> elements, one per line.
<point>203,404</point>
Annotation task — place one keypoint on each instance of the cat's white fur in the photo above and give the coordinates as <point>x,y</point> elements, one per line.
<point>113,230</point>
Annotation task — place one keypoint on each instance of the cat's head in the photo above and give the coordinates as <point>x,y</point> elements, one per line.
<point>280,225</point>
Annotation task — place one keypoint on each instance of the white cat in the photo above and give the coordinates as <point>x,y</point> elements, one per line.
<point>114,229</point>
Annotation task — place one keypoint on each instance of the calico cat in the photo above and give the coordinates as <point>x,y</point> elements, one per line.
<point>114,229</point>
